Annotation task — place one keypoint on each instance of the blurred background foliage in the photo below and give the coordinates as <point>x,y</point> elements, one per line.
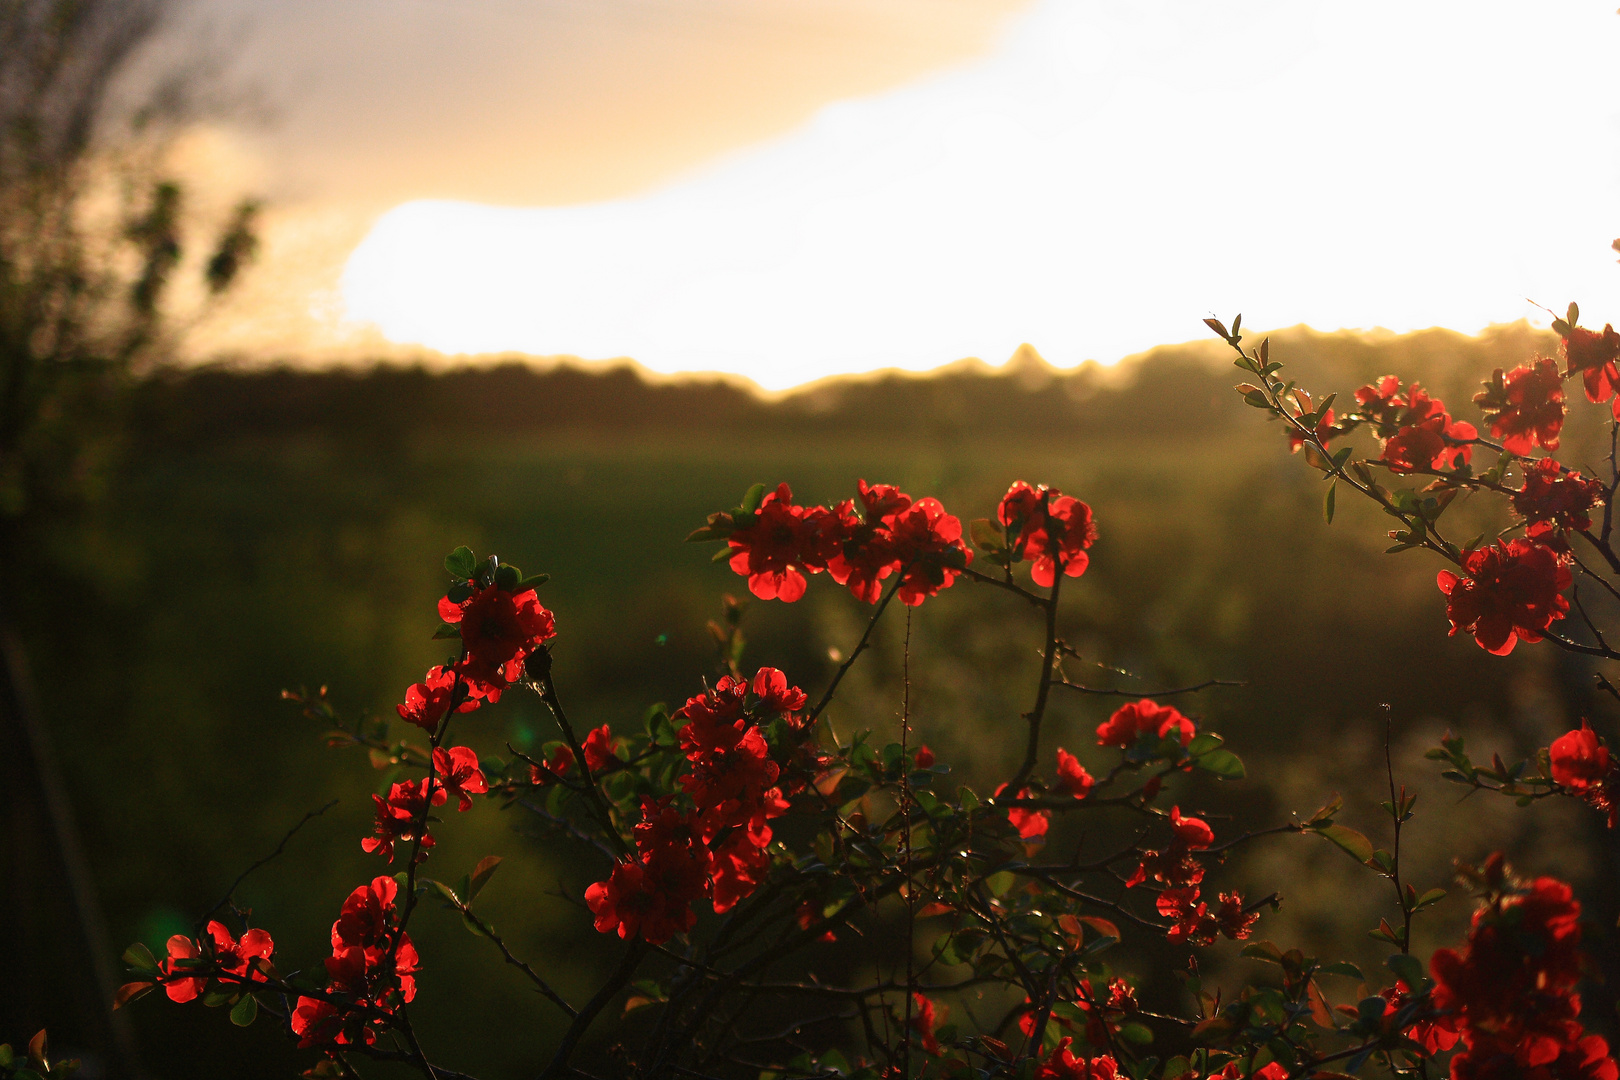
<point>265,529</point>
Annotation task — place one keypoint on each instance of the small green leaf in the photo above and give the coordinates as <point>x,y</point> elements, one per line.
<point>986,535</point>
<point>446,630</point>
<point>1000,882</point>
<point>1203,743</point>
<point>1349,839</point>
<point>1258,399</point>
<point>1433,896</point>
<point>533,581</point>
<point>507,577</point>
<point>461,563</point>
<point>752,498</point>
<point>140,958</point>
<point>1345,968</point>
<point>245,1011</point>
<point>1407,968</point>
<point>1223,763</point>
<point>1328,502</point>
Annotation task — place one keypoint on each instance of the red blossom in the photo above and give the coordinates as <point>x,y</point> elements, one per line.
<point>1583,765</point>
<point>458,771</point>
<point>1511,986</point>
<point>928,544</point>
<point>427,702</point>
<point>1175,866</point>
<point>1594,356</point>
<point>219,952</point>
<point>1526,406</point>
<point>774,693</point>
<point>1049,529</point>
<point>1063,1064</point>
<point>599,748</point>
<point>499,630</point>
<point>1131,722</point>
<point>372,962</point>
<point>651,896</point>
<point>400,815</point>
<point>1510,593</point>
<point>925,1016</point>
<point>924,757</point>
<point>1072,775</point>
<point>1427,438</point>
<point>775,549</point>
<point>1029,823</point>
<point>1553,501</point>
<point>554,768</point>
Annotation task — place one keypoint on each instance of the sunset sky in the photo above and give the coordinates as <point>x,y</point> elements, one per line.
<point>788,189</point>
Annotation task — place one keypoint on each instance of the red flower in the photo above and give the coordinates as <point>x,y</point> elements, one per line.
<point>1510,593</point>
<point>862,551</point>
<point>1511,987</point>
<point>1525,407</point>
<point>401,814</point>
<point>807,916</point>
<point>1579,760</point>
<point>458,771</point>
<point>774,693</point>
<point>771,551</point>
<point>366,916</point>
<point>925,1016</point>
<point>561,760</point>
<point>1048,528</point>
<point>1029,823</point>
<point>928,545</point>
<point>217,953</point>
<point>372,962</point>
<point>1428,438</point>
<point>1072,775</point>
<point>499,630</point>
<point>1594,356</point>
<point>599,749</point>
<point>1235,923</point>
<point>1175,866</point>
<point>1324,432</point>
<point>427,702</point>
<point>651,896</point>
<point>1063,1064</point>
<point>318,1022</point>
<point>1553,501</point>
<point>1583,765</point>
<point>1131,722</point>
<point>1382,401</point>
<point>924,757</point>
<point>739,866</point>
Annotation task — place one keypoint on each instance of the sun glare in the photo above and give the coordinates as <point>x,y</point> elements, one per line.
<point>1111,174</point>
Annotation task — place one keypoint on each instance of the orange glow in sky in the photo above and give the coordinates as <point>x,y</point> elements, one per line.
<point>1107,175</point>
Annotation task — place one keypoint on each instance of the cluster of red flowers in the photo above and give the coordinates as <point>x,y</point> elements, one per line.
<point>404,814</point>
<point>717,847</point>
<point>1525,407</point>
<point>1063,1064</point>
<point>499,631</point>
<point>371,971</point>
<point>1594,357</point>
<point>218,953</point>
<point>1102,1016</point>
<point>1510,991</point>
<point>1146,717</point>
<point>1047,528</point>
<point>1421,434</point>
<point>1583,766</point>
<point>1554,501</point>
<point>1510,592</point>
<point>1181,874</point>
<point>780,542</point>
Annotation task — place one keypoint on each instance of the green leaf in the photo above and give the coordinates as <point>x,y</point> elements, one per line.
<point>1407,968</point>
<point>461,563</point>
<point>1263,950</point>
<point>245,1011</point>
<point>1345,968</point>
<point>1433,896</point>
<point>507,577</point>
<point>444,891</point>
<point>752,498</point>
<point>533,581</point>
<point>723,554</point>
<point>446,630</point>
<point>140,958</point>
<point>481,874</point>
<point>1223,763</point>
<point>1328,502</point>
<point>1000,882</point>
<point>1258,399</point>
<point>1349,839</point>
<point>1203,743</point>
<point>986,535</point>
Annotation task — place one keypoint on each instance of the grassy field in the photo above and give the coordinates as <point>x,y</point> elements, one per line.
<point>269,532</point>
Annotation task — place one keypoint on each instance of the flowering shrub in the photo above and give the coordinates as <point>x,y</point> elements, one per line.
<point>1504,587</point>
<point>740,836</point>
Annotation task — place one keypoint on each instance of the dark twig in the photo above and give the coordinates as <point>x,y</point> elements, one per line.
<point>243,876</point>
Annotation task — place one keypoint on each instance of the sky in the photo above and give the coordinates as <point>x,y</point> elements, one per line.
<point>790,189</point>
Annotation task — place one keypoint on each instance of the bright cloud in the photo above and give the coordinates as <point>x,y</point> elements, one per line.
<point>1111,174</point>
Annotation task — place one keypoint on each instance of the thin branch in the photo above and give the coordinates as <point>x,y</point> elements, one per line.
<point>243,876</point>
